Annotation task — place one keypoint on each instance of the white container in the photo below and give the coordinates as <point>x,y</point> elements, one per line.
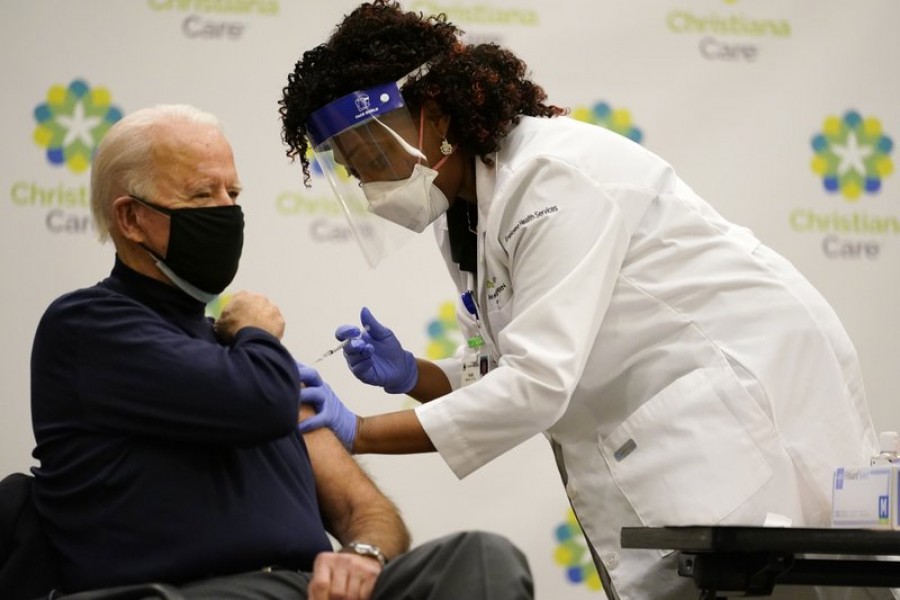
<point>889,449</point>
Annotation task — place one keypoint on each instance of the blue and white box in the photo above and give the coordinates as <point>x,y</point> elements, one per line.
<point>866,497</point>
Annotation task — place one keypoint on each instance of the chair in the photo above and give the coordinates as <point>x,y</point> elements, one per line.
<point>28,565</point>
<point>29,569</point>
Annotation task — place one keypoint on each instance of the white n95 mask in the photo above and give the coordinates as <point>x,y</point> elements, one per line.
<point>414,202</point>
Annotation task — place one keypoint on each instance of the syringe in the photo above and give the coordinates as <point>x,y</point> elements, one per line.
<point>334,350</point>
<point>338,348</point>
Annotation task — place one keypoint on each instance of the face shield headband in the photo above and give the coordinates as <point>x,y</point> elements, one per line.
<point>358,107</point>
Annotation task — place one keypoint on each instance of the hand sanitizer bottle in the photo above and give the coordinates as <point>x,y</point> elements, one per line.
<point>889,453</point>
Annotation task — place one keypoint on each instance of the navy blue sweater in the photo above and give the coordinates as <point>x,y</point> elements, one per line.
<point>165,455</point>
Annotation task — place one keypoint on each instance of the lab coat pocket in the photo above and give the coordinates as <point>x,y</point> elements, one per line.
<point>499,305</point>
<point>499,314</point>
<point>683,458</point>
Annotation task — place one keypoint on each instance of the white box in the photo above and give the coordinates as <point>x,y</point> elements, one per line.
<point>866,497</point>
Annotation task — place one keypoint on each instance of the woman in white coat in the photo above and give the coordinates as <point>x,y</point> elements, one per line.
<point>682,371</point>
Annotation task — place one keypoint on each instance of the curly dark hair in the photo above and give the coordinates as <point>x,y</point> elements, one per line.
<point>483,88</point>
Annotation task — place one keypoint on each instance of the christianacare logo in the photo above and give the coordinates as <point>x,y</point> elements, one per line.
<point>217,305</point>
<point>615,119</point>
<point>573,554</point>
<point>852,155</point>
<point>315,169</point>
<point>72,122</point>
<point>444,336</point>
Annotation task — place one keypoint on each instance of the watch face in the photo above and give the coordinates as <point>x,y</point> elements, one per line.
<point>365,550</point>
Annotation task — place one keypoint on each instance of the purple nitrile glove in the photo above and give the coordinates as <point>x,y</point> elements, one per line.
<point>376,357</point>
<point>330,411</point>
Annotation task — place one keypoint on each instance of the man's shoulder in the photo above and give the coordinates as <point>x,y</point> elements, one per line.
<point>97,297</point>
<point>80,295</point>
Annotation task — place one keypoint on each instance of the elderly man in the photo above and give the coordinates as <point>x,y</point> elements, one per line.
<point>167,442</point>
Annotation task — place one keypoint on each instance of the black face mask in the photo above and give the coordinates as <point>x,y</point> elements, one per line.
<point>205,246</point>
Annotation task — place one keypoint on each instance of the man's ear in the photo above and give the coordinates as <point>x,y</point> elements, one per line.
<point>127,220</point>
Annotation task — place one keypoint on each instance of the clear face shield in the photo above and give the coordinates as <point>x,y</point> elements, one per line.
<point>365,142</point>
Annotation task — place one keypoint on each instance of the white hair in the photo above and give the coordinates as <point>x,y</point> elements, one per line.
<point>122,164</point>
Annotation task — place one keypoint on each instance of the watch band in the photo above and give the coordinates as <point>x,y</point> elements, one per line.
<point>364,549</point>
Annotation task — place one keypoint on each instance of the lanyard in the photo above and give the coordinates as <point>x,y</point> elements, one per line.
<point>476,361</point>
<point>468,300</point>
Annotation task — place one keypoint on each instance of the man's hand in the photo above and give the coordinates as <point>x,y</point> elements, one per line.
<point>248,309</point>
<point>343,576</point>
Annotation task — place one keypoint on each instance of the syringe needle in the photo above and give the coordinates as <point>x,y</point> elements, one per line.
<point>333,350</point>
<point>339,346</point>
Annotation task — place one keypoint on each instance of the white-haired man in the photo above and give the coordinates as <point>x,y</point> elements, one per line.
<point>167,442</point>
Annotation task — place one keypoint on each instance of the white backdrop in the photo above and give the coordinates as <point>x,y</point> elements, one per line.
<point>783,114</point>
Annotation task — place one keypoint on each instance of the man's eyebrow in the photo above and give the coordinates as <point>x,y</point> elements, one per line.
<point>206,187</point>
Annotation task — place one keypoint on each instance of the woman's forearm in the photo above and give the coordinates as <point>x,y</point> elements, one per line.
<point>392,433</point>
<point>432,382</point>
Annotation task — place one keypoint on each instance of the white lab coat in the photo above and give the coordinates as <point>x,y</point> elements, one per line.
<point>683,372</point>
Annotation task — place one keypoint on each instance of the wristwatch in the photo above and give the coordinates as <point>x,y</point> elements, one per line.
<point>364,549</point>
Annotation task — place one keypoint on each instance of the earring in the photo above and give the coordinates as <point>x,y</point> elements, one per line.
<point>446,147</point>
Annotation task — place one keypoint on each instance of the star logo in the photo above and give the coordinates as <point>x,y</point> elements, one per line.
<point>614,119</point>
<point>72,122</point>
<point>444,336</point>
<point>852,155</point>
<point>572,554</point>
<point>78,126</point>
<point>216,306</point>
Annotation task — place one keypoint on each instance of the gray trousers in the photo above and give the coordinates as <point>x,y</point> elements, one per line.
<point>470,565</point>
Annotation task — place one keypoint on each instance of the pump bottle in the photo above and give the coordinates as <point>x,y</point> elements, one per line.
<point>889,449</point>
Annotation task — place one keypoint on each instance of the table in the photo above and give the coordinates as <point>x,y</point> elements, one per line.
<point>753,560</point>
